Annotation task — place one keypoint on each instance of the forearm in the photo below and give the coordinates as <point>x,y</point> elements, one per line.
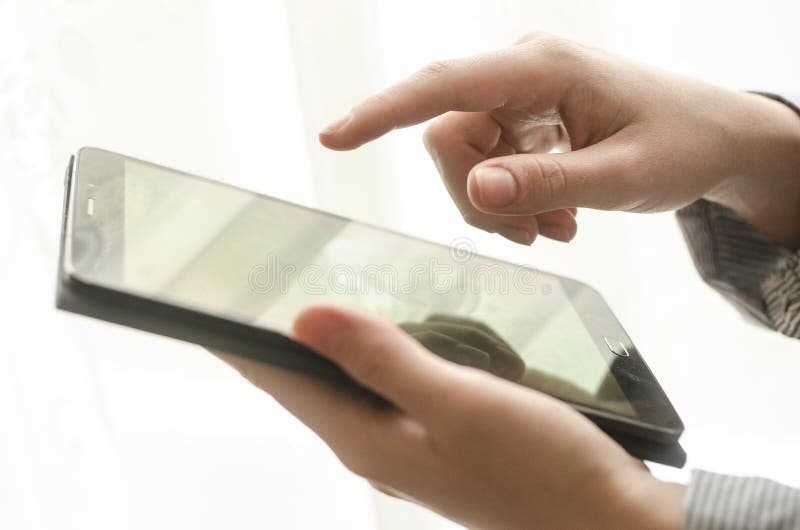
<point>765,188</point>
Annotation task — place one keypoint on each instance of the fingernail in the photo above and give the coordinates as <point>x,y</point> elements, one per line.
<point>517,235</point>
<point>496,187</point>
<point>337,124</point>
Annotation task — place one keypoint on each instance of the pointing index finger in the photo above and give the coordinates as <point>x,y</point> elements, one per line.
<point>478,83</point>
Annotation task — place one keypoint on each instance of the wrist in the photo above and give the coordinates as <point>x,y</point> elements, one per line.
<point>762,183</point>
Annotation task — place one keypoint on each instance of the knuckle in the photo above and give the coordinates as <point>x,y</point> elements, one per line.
<point>529,36</point>
<point>377,99</point>
<point>436,69</point>
<point>548,40</point>
<point>555,46</point>
<point>545,182</point>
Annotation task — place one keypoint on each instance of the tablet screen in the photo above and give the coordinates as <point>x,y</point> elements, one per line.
<point>226,251</point>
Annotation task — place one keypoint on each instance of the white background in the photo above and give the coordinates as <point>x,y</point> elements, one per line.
<point>104,427</point>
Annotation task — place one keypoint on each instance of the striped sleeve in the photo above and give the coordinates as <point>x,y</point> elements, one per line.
<point>781,292</point>
<point>723,502</point>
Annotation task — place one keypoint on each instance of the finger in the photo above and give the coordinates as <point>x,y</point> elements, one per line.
<point>478,83</point>
<point>559,225</point>
<point>460,140</point>
<point>379,356</point>
<point>598,176</point>
<point>457,142</point>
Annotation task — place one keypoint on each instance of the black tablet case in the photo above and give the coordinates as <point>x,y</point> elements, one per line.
<point>253,342</point>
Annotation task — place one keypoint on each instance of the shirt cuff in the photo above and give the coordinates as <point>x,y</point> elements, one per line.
<point>725,502</point>
<point>733,257</point>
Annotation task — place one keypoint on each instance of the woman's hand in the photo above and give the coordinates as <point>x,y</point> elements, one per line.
<point>640,139</point>
<point>473,447</point>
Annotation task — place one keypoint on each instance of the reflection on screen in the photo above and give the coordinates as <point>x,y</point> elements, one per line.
<point>222,250</point>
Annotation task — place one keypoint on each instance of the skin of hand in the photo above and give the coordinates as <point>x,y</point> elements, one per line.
<point>475,448</point>
<point>633,138</point>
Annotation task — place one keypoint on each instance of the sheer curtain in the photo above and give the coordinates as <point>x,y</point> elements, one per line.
<point>104,427</point>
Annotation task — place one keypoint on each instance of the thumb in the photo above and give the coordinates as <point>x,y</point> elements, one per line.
<point>598,176</point>
<point>378,355</point>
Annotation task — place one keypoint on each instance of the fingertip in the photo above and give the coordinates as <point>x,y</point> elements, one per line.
<point>334,136</point>
<point>315,326</point>
<point>474,192</point>
<point>334,141</point>
<point>520,236</point>
<point>325,327</point>
<point>326,140</point>
<point>559,232</point>
<point>492,187</point>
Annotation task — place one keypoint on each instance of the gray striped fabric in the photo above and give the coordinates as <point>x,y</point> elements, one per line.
<point>731,256</point>
<point>781,292</point>
<point>740,503</point>
<point>763,282</point>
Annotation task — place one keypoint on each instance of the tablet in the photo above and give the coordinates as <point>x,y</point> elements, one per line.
<point>176,254</point>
